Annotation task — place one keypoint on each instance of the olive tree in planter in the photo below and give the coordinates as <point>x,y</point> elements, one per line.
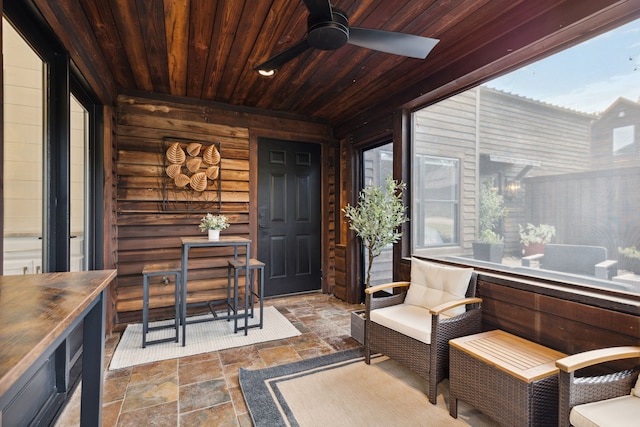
<point>377,218</point>
<point>490,246</point>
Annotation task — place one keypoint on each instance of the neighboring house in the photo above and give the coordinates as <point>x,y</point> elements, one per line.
<point>503,136</point>
<point>615,141</point>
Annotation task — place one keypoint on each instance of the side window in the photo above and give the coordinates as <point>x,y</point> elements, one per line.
<point>377,165</point>
<point>435,201</point>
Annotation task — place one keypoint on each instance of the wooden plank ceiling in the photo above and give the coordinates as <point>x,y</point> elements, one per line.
<point>207,49</point>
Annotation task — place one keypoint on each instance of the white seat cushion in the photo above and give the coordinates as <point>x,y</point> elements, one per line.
<point>617,412</point>
<point>434,284</point>
<point>636,390</point>
<point>407,319</point>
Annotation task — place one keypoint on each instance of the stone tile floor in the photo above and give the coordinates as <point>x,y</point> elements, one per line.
<point>203,390</point>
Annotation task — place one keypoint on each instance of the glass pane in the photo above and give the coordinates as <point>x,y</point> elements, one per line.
<point>78,187</point>
<point>548,167</point>
<point>23,153</point>
<point>378,165</point>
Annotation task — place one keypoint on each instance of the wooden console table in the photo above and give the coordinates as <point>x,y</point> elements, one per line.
<point>38,312</point>
<point>513,380</point>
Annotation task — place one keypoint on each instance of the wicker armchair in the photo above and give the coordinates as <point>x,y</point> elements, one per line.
<point>430,360</point>
<point>591,392</point>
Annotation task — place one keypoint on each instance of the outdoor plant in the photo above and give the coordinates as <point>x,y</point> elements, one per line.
<point>213,222</point>
<point>377,218</point>
<point>530,233</point>
<point>632,258</point>
<point>492,210</point>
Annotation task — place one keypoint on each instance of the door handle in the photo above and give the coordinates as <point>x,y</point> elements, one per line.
<point>263,227</point>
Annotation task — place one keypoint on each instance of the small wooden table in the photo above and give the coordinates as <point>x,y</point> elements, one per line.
<point>511,379</point>
<point>202,242</point>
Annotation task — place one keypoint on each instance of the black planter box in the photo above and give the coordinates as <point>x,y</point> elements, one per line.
<point>357,326</point>
<point>491,252</point>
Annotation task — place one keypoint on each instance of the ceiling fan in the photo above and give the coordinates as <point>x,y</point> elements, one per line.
<point>328,29</point>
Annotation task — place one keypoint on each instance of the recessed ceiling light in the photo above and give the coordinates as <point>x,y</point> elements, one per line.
<point>267,73</point>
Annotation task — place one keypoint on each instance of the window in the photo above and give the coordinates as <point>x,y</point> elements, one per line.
<point>377,166</point>
<point>50,206</point>
<point>623,138</point>
<point>549,150</point>
<point>435,201</point>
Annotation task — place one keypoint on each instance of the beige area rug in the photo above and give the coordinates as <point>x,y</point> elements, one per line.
<point>341,390</point>
<point>201,338</point>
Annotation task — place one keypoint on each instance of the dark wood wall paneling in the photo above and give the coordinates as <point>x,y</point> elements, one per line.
<point>147,233</point>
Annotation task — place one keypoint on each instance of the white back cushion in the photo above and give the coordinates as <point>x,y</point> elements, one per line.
<point>434,284</point>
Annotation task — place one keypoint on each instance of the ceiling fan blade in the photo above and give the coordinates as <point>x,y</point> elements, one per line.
<point>283,57</point>
<point>391,42</point>
<point>320,9</point>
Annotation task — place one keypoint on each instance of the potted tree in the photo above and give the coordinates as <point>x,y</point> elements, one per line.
<point>533,238</point>
<point>490,246</point>
<point>376,220</point>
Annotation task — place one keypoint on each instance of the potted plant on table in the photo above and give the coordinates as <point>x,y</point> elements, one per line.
<point>533,238</point>
<point>213,224</point>
<point>376,220</point>
<point>490,245</point>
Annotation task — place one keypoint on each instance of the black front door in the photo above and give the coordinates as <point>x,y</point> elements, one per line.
<point>289,216</point>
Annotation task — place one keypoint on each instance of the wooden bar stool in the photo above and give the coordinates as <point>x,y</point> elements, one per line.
<point>251,289</point>
<point>153,270</point>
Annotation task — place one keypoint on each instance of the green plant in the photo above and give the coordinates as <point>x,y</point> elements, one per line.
<point>630,252</point>
<point>489,236</point>
<point>377,217</point>
<point>492,210</point>
<point>631,258</point>
<point>213,222</point>
<point>530,233</point>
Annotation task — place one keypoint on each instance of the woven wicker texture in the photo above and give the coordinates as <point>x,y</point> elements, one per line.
<point>576,390</point>
<point>503,397</point>
<point>430,361</point>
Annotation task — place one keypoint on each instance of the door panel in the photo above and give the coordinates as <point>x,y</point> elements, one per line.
<point>289,216</point>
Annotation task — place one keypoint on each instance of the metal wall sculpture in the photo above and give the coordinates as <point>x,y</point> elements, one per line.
<point>191,175</point>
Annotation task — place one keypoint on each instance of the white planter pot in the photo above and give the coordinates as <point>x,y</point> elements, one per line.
<point>214,234</point>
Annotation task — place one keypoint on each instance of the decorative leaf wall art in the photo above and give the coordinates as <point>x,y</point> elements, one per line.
<point>192,174</point>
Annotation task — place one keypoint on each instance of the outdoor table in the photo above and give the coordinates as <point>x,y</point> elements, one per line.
<point>38,313</point>
<point>199,242</point>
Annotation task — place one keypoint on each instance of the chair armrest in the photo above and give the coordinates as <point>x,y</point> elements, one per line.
<point>374,289</point>
<point>526,260</point>
<point>589,358</point>
<point>451,304</point>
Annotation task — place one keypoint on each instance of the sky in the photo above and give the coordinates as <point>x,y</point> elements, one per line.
<point>588,77</point>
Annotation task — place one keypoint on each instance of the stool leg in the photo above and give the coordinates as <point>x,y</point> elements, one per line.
<point>251,293</point>
<point>235,301</point>
<point>176,303</point>
<point>145,309</point>
<point>261,296</point>
<point>228,293</point>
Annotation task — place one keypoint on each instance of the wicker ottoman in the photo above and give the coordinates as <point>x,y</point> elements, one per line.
<point>510,379</point>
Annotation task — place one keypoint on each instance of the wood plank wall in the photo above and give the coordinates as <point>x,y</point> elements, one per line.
<point>147,233</point>
<point>568,322</point>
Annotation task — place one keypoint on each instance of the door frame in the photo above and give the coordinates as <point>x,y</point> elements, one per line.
<point>254,135</point>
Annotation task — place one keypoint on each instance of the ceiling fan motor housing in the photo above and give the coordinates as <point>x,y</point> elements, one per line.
<point>328,35</point>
